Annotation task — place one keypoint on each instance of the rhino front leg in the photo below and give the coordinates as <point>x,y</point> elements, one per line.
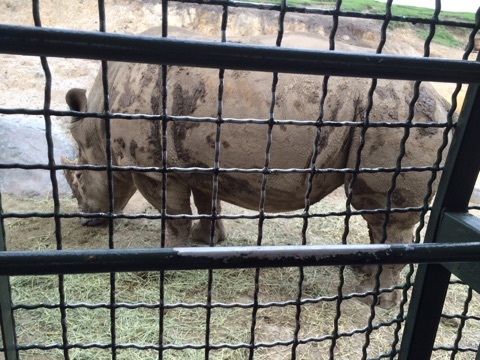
<point>178,202</point>
<point>202,229</point>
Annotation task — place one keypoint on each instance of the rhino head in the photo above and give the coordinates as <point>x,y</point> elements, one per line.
<point>77,180</point>
<point>90,187</point>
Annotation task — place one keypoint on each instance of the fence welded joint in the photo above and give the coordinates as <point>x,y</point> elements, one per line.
<point>125,260</point>
<point>34,41</point>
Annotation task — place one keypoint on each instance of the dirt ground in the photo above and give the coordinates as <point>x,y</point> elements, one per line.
<point>22,86</point>
<point>23,77</point>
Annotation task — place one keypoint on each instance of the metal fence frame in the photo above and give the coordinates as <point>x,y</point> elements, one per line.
<point>452,243</point>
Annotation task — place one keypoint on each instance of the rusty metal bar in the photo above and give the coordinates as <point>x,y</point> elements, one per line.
<point>25,40</point>
<point>126,260</point>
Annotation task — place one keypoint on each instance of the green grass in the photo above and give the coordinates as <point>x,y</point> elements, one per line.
<point>443,35</point>
<point>376,7</point>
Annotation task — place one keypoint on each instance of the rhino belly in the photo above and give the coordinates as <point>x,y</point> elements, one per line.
<point>282,192</point>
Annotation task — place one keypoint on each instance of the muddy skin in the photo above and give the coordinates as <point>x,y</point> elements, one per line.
<point>135,88</point>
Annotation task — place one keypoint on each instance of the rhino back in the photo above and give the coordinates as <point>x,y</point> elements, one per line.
<point>248,95</point>
<point>136,89</point>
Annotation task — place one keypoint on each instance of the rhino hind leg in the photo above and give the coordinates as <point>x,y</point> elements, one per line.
<point>389,276</point>
<point>399,230</point>
<point>201,230</point>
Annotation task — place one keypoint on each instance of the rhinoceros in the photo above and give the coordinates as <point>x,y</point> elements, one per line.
<point>136,89</point>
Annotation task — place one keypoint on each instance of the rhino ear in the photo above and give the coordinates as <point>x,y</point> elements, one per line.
<point>76,99</point>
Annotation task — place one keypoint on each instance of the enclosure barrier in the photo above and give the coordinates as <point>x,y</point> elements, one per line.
<point>451,244</point>
<point>91,45</point>
<point>117,260</point>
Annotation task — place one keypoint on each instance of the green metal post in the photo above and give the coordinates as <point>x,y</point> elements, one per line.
<point>7,323</point>
<point>431,283</point>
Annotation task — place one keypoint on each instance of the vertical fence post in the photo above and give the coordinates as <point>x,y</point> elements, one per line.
<point>7,324</point>
<point>432,280</point>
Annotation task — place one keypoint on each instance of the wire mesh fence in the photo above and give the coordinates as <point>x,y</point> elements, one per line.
<point>252,138</point>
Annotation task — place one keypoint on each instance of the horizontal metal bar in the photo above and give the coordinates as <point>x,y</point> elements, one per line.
<point>251,216</point>
<point>24,40</point>
<point>461,228</point>
<point>209,170</point>
<point>235,121</point>
<point>121,260</point>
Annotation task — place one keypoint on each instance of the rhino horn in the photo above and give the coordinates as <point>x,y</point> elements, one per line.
<point>69,174</point>
<point>67,161</point>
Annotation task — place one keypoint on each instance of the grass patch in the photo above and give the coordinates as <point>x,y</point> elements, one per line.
<point>376,7</point>
<point>137,298</point>
<point>443,36</point>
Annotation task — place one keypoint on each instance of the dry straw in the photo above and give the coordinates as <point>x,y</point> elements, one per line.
<point>235,288</point>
